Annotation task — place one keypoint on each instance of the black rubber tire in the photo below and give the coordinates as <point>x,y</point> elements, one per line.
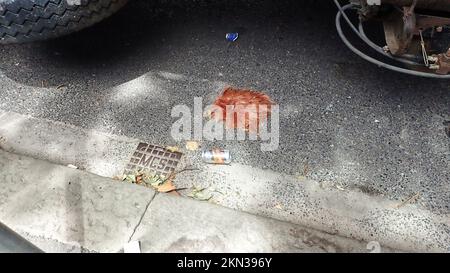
<point>33,20</point>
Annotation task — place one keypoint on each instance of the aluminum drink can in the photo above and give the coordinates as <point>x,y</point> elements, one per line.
<point>216,156</point>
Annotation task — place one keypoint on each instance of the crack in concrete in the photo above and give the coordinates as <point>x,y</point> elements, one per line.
<point>142,216</point>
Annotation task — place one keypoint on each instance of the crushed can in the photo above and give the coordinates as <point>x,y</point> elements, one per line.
<point>216,156</point>
<point>232,36</point>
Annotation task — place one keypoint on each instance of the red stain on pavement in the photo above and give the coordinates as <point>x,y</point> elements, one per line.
<point>242,108</point>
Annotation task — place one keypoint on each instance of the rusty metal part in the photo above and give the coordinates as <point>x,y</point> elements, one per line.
<point>426,21</point>
<point>409,18</point>
<point>401,26</point>
<point>399,33</point>
<point>438,5</point>
<point>365,11</point>
<point>442,63</point>
<point>418,69</point>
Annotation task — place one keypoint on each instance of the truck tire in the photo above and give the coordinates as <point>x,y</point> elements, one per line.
<point>33,20</point>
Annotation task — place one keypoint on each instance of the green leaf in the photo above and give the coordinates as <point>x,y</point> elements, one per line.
<point>200,194</point>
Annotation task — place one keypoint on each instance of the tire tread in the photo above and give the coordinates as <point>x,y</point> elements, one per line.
<point>31,20</point>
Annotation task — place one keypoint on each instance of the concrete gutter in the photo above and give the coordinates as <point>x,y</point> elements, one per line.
<point>64,144</point>
<point>320,206</point>
<point>65,210</point>
<point>325,207</point>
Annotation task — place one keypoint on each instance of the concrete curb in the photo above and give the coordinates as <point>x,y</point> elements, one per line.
<point>96,152</point>
<point>174,224</point>
<point>68,206</point>
<point>304,202</point>
<point>62,209</point>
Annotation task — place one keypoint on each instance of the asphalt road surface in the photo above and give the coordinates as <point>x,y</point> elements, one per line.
<point>342,120</point>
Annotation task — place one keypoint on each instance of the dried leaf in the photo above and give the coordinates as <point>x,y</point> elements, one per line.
<point>173,149</point>
<point>409,200</point>
<point>139,178</point>
<point>160,183</point>
<point>153,180</point>
<point>200,194</point>
<point>192,145</point>
<point>301,177</point>
<point>167,187</point>
<point>305,169</point>
<point>131,178</point>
